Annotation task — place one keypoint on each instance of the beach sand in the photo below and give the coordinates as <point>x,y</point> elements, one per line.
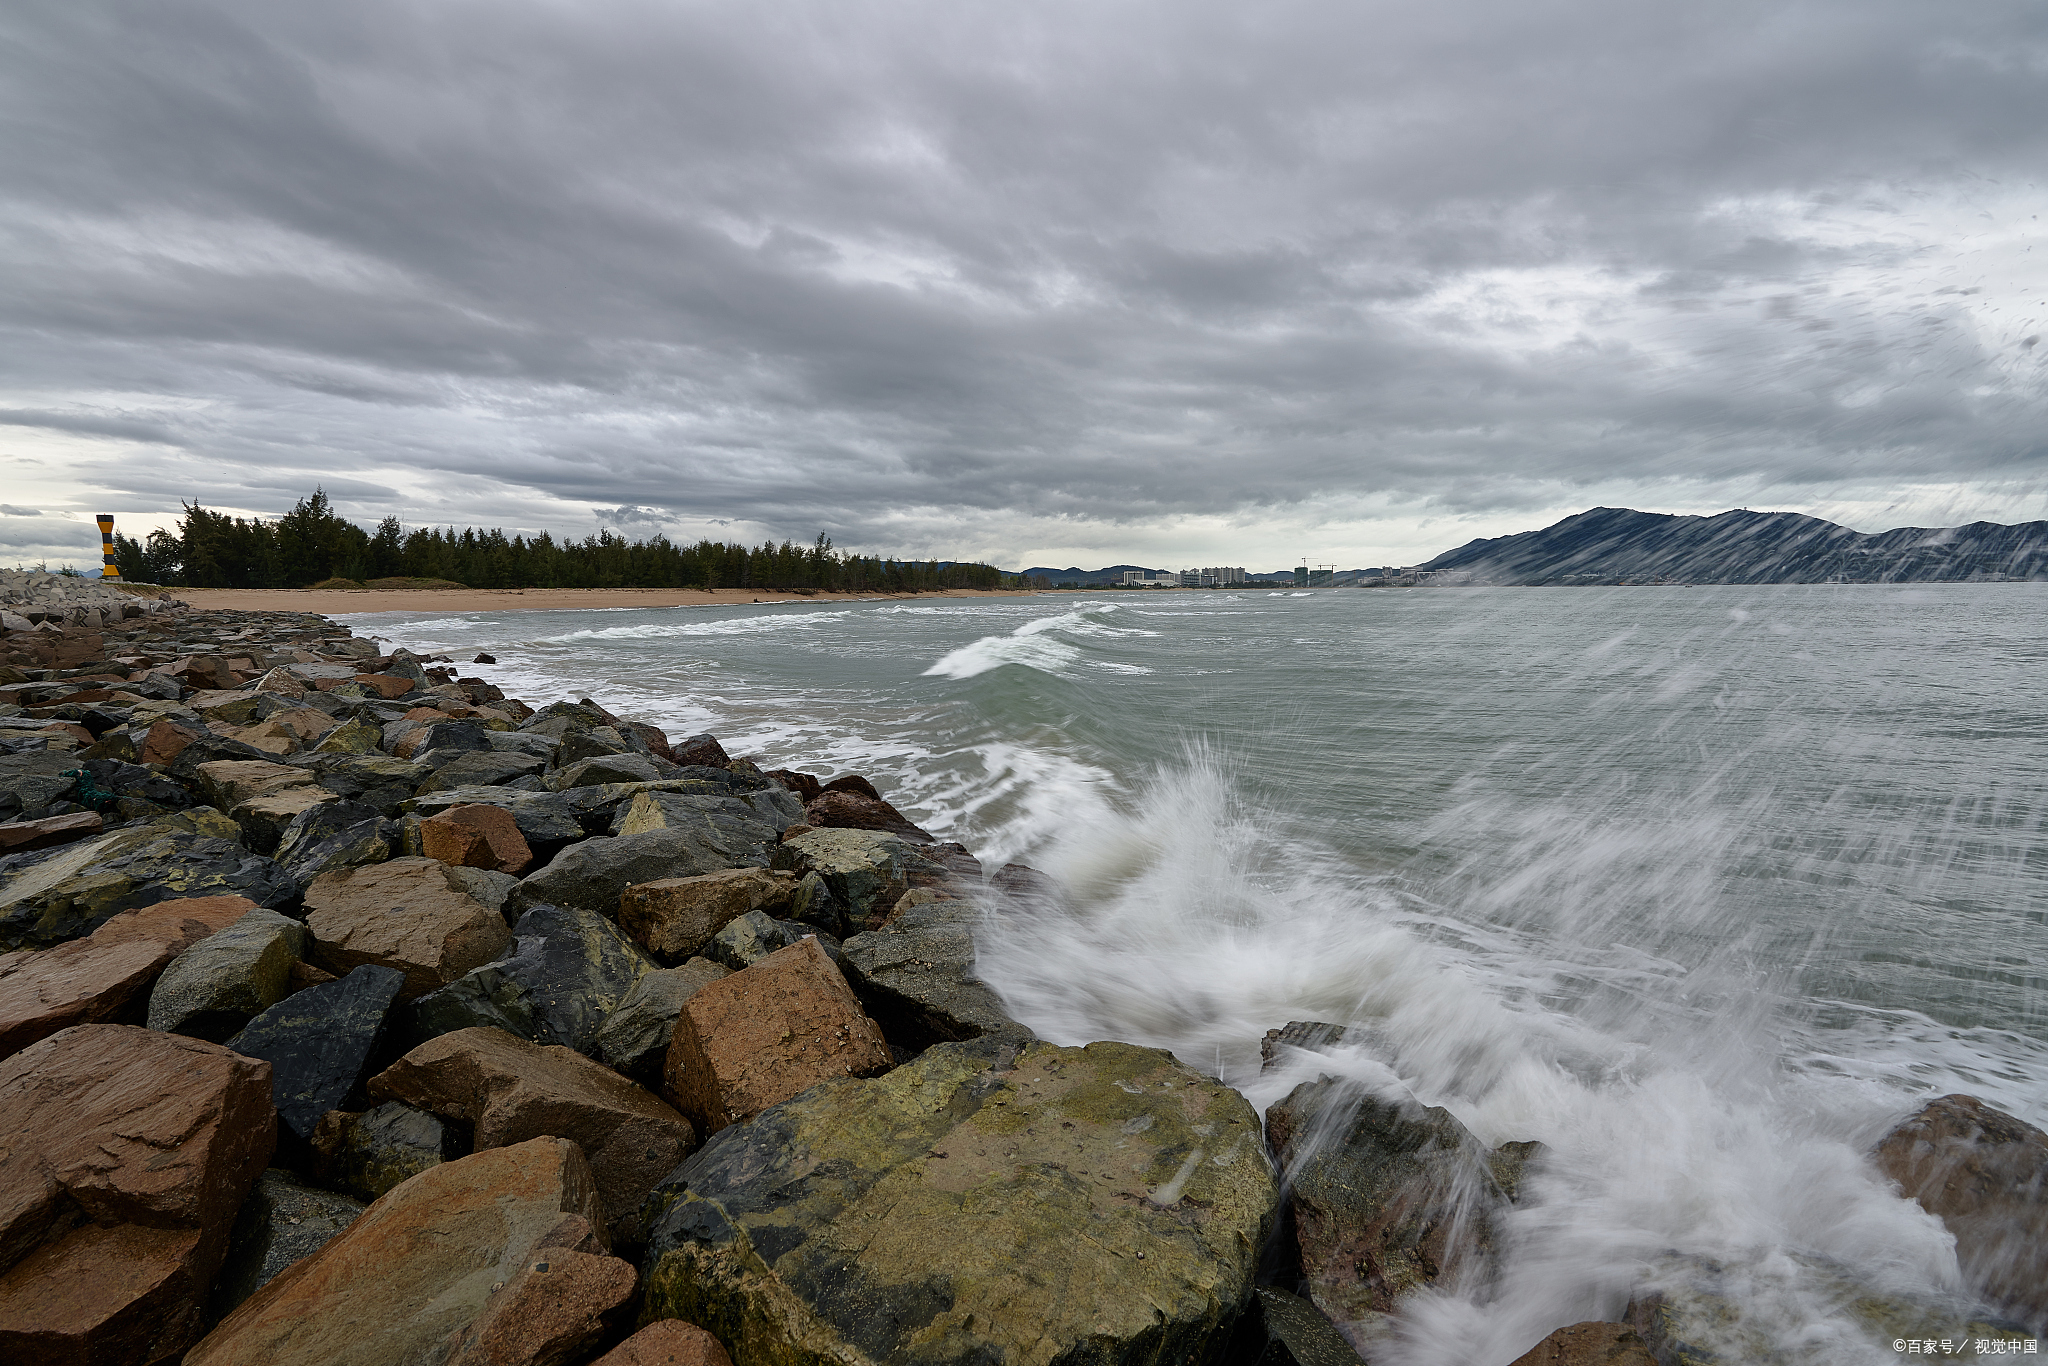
<point>330,602</point>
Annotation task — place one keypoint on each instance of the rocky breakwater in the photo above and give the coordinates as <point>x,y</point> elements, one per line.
<point>352,1012</point>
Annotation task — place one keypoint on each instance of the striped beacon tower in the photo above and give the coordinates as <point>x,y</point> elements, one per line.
<point>112,570</point>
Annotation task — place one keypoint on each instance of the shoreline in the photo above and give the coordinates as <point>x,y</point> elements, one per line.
<point>352,601</point>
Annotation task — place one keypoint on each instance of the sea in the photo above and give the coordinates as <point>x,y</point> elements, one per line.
<point>1702,888</point>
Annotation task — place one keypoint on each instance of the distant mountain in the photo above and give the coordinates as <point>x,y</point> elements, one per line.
<point>1609,545</point>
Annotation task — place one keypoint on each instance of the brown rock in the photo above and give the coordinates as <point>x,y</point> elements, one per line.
<point>415,1269</point>
<point>804,785</point>
<point>1589,1344</point>
<point>305,975</point>
<point>164,743</point>
<point>124,1154</point>
<point>512,1090</point>
<point>851,782</point>
<point>559,1306</point>
<point>263,817</point>
<point>227,783</point>
<point>405,914</point>
<point>20,837</point>
<point>674,917</point>
<point>268,736</point>
<point>282,683</point>
<point>105,977</point>
<point>1984,1174</point>
<point>386,686</point>
<point>667,1342</point>
<point>701,751</point>
<point>856,811</point>
<point>476,836</point>
<point>758,1037</point>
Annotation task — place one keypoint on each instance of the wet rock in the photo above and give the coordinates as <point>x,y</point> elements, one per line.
<point>804,785</point>
<point>354,736</point>
<point>212,989</point>
<point>693,804</point>
<point>320,1043</point>
<point>486,769</point>
<point>164,742</point>
<point>329,836</point>
<point>415,1269</point>
<point>368,1153</point>
<point>667,1342</point>
<point>1279,1329</point>
<point>282,1222</point>
<point>511,1090</point>
<point>117,1190</point>
<point>595,743</point>
<point>265,818</point>
<point>1589,1344</point>
<point>560,1306</point>
<point>377,781</point>
<point>592,875</point>
<point>857,811</point>
<point>474,836</point>
<point>546,820</point>
<point>73,890</point>
<point>634,1038</point>
<point>755,935</point>
<point>406,914</point>
<point>453,736</point>
<point>104,978</point>
<point>836,1226</point>
<point>136,780</point>
<point>21,837</point>
<point>569,970</point>
<point>851,782</point>
<point>1984,1174</point>
<point>1308,1036</point>
<point>1388,1198</point>
<point>674,918</point>
<point>700,751</point>
<point>606,769</point>
<point>915,978</point>
<point>489,889</point>
<point>866,871</point>
<point>754,1039</point>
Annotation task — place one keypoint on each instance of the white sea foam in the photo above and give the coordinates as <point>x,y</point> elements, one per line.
<point>1037,644</point>
<point>731,626</point>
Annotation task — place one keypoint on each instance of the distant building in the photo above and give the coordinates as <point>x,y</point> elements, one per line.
<point>1139,578</point>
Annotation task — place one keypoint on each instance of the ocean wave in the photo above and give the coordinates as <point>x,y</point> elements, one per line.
<point>732,626</point>
<point>1034,645</point>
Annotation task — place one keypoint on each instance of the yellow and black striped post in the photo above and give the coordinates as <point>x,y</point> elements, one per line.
<point>112,570</point>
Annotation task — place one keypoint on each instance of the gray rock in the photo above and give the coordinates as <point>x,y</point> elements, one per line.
<point>281,1222</point>
<point>366,1154</point>
<point>1279,1329</point>
<point>373,780</point>
<point>487,886</point>
<point>544,818</point>
<point>335,835</point>
<point>464,736</point>
<point>471,768</point>
<point>865,871</point>
<point>514,742</point>
<point>591,875</point>
<point>320,1042</point>
<point>568,971</point>
<point>748,939</point>
<point>559,720</point>
<point>634,1038</point>
<point>596,742</point>
<point>915,977</point>
<point>211,990</point>
<point>610,768</point>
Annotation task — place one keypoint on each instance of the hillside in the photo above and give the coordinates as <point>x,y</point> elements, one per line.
<point>1606,545</point>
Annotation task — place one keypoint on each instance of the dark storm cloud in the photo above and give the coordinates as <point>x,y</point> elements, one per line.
<point>880,267</point>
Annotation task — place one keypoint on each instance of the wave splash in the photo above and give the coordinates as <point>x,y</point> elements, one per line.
<point>1045,644</point>
<point>1694,1128</point>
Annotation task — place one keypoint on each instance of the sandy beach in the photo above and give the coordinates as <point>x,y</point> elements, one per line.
<point>330,602</point>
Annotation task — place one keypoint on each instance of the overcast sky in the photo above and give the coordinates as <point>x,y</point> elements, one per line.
<point>1041,283</point>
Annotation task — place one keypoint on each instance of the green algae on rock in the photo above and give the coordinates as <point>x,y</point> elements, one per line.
<point>984,1203</point>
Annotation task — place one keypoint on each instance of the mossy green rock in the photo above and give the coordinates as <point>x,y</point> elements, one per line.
<point>984,1204</point>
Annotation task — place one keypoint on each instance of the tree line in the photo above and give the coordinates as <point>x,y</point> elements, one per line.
<point>312,543</point>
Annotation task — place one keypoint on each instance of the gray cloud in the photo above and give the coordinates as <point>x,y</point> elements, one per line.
<point>993,276</point>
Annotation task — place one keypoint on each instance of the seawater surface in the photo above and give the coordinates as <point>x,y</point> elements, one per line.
<point>1702,888</point>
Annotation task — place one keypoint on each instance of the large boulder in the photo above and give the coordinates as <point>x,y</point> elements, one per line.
<point>673,918</point>
<point>407,914</point>
<point>212,989</point>
<point>104,978</point>
<point>1984,1174</point>
<point>265,817</point>
<point>546,820</point>
<point>610,768</point>
<point>330,836</point>
<point>486,768</point>
<point>320,1043</point>
<point>476,836</point>
<point>692,802</point>
<point>591,876</point>
<point>633,1040</point>
<point>377,781</point>
<point>866,871</point>
<point>570,970</point>
<point>415,1269</point>
<point>756,935</point>
<point>560,1306</point>
<point>1589,1344</point>
<point>1281,1329</point>
<point>984,1204</point>
<point>368,1152</point>
<point>1389,1198</point>
<point>512,1090</point>
<point>667,1342</point>
<point>124,1154</point>
<point>752,1040</point>
<point>915,976</point>
<point>227,783</point>
<point>859,811</point>
<point>70,892</point>
<point>282,1221</point>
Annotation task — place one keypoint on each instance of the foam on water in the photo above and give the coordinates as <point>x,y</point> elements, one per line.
<point>1046,644</point>
<point>733,626</point>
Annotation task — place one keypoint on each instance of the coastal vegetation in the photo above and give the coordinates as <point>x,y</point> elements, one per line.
<point>312,543</point>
